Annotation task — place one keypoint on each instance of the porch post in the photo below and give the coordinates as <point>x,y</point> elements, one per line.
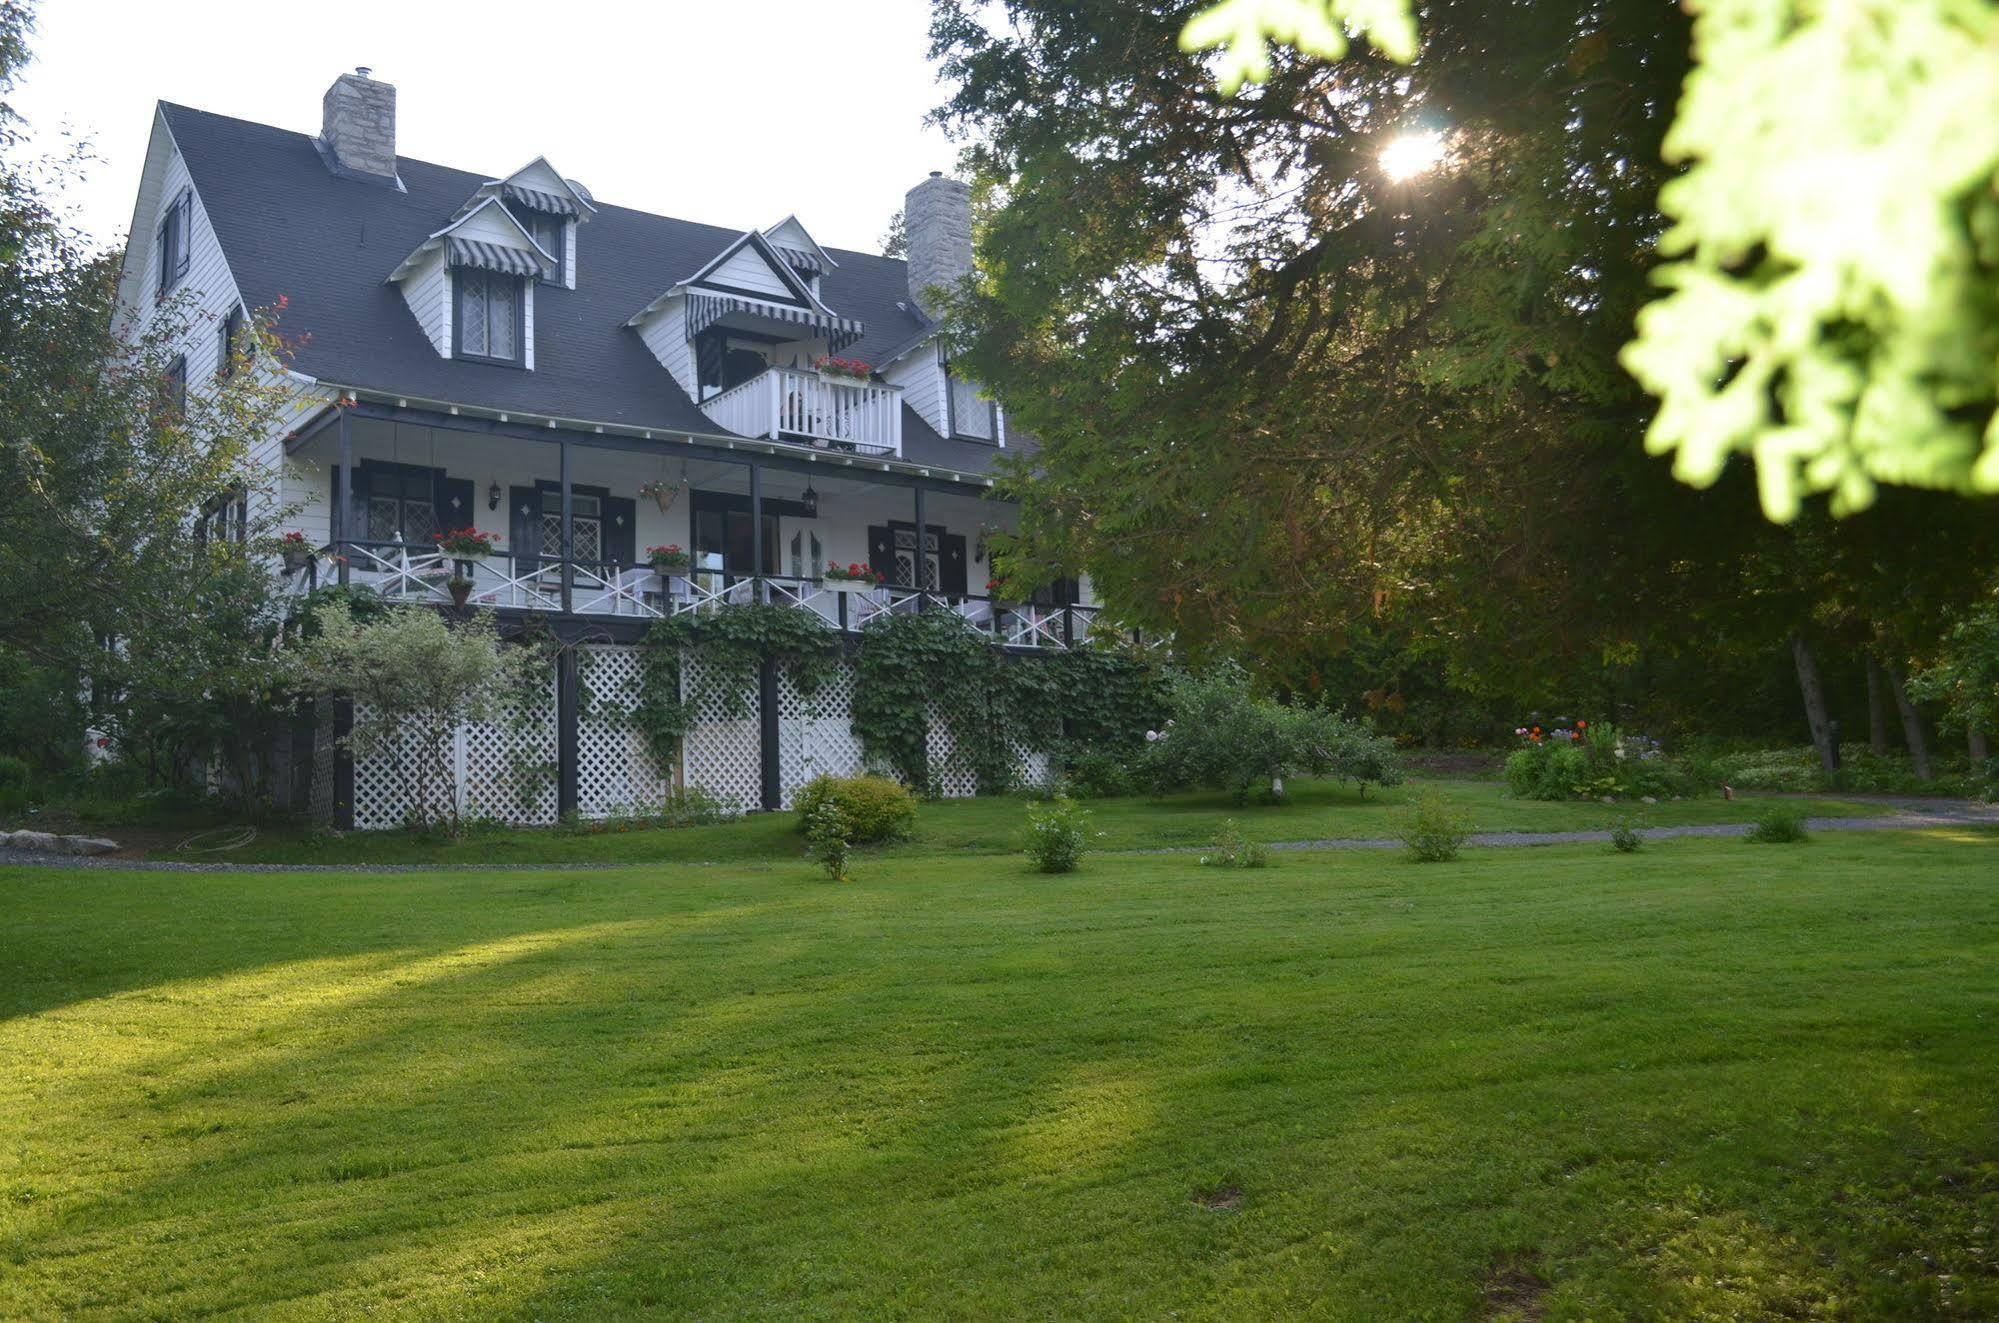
<point>757,566</point>
<point>568,532</point>
<point>922,556</point>
<point>566,742</point>
<point>345,472</point>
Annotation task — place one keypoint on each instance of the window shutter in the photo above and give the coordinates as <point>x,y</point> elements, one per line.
<point>621,529</point>
<point>454,503</point>
<point>165,258</point>
<point>186,233</point>
<point>524,527</point>
<point>881,551</point>
<point>951,564</point>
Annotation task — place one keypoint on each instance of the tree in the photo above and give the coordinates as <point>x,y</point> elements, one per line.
<point>413,679</point>
<point>1832,310</point>
<point>1225,736</point>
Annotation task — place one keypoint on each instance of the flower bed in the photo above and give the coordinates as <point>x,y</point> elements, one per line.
<point>1562,760</point>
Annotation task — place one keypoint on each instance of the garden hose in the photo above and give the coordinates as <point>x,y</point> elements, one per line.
<point>241,837</point>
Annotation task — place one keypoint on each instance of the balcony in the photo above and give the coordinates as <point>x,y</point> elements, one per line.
<point>806,408</point>
<point>397,572</point>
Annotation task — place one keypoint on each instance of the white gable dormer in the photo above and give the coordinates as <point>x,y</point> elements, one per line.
<point>800,251</point>
<point>471,285</point>
<point>549,207</point>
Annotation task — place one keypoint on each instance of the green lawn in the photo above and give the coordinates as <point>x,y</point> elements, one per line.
<point>1316,810</point>
<point>1712,1080</point>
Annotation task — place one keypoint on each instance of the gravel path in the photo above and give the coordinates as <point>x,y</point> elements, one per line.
<point>1916,813</point>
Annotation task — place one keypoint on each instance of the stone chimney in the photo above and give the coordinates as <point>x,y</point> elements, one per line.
<point>357,129</point>
<point>937,227</point>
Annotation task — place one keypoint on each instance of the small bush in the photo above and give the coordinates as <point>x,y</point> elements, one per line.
<point>1434,830</point>
<point>874,808</point>
<point>1231,850</point>
<point>1625,838</point>
<point>826,839</point>
<point>1779,824</point>
<point>13,772</point>
<point>1055,835</point>
<point>1096,773</point>
<point>695,807</point>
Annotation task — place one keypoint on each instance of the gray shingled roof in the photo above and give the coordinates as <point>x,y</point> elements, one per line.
<point>326,244</point>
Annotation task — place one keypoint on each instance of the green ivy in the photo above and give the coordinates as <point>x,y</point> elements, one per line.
<point>732,642</point>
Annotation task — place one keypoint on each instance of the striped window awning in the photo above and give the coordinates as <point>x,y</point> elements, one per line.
<point>704,310</point>
<point>800,260</point>
<point>494,257</point>
<point>536,200</point>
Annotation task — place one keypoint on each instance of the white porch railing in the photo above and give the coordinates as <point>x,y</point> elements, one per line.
<point>784,404</point>
<point>400,573</point>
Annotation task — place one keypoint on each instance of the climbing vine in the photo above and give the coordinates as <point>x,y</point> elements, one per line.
<point>732,643</point>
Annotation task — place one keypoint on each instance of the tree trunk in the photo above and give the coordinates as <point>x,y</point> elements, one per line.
<point>1877,708</point>
<point>1974,739</point>
<point>1912,724</point>
<point>1813,692</point>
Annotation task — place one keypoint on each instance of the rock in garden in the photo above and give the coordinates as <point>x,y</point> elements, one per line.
<point>32,840</point>
<point>1648,799</point>
<point>88,845</point>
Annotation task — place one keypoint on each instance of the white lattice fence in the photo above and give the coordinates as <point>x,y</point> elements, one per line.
<point>615,768</point>
<point>815,732</point>
<point>723,752</point>
<point>503,768</point>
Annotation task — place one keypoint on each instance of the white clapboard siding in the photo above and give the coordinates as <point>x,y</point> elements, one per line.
<point>665,334</point>
<point>427,290</point>
<point>921,377</point>
<point>746,269</point>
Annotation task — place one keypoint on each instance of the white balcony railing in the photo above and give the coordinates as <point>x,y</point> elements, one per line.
<point>784,404</point>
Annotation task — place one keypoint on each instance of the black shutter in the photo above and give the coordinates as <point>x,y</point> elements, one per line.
<point>524,528</point>
<point>452,517</point>
<point>357,503</point>
<point>951,564</point>
<point>881,551</point>
<point>621,530</point>
<point>166,259</point>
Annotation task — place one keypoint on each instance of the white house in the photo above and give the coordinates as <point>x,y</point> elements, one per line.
<point>511,354</point>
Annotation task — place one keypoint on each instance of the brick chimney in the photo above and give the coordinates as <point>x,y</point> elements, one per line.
<point>937,227</point>
<point>357,130</point>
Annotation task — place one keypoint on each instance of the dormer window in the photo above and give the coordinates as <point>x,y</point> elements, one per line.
<point>489,314</point>
<point>552,233</point>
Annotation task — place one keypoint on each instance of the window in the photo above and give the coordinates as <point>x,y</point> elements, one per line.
<point>173,388</point>
<point>225,519</point>
<point>172,250</point>
<point>402,506</point>
<point>229,343</point>
<point>905,559</point>
<point>490,316</point>
<point>550,232</point>
<point>586,526</point>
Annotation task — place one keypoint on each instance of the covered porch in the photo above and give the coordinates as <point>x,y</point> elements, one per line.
<point>575,515</point>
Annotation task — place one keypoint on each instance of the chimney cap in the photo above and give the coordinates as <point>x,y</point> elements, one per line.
<point>936,174</point>
<point>364,69</point>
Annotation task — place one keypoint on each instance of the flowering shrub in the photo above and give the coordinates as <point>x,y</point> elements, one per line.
<point>852,573</point>
<point>845,367</point>
<point>669,557</point>
<point>466,543</point>
<point>1580,761</point>
<point>1055,835</point>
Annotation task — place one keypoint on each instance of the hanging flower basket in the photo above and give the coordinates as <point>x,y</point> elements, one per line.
<point>663,493</point>
<point>461,590</point>
<point>297,551</point>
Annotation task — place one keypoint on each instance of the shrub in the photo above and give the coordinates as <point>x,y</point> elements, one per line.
<point>695,807</point>
<point>874,808</point>
<point>1435,830</point>
<point>826,838</point>
<point>13,772</point>
<point>1223,735</point>
<point>1099,773</point>
<point>1231,850</point>
<point>1055,835</point>
<point>1779,824</point>
<point>1593,762</point>
<point>1625,838</point>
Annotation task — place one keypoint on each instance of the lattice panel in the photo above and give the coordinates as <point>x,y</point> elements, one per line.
<point>953,780</point>
<point>815,732</point>
<point>503,769</point>
<point>320,793</point>
<point>723,753</point>
<point>615,768</point>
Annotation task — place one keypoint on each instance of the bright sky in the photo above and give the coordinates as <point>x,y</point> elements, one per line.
<point>734,114</point>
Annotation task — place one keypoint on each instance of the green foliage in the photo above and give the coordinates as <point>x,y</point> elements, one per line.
<point>1964,676</point>
<point>691,806</point>
<point>1233,850</point>
<point>13,772</point>
<point>1317,27</point>
<point>873,808</point>
<point>1096,772</point>
<point>1832,311</point>
<point>1224,735</point>
<point>1434,829</point>
<point>1057,833</point>
<point>414,678</point>
<point>829,838</point>
<point>1601,762</point>
<point>1625,836</point>
<point>1779,824</point>
<point>732,642</point>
